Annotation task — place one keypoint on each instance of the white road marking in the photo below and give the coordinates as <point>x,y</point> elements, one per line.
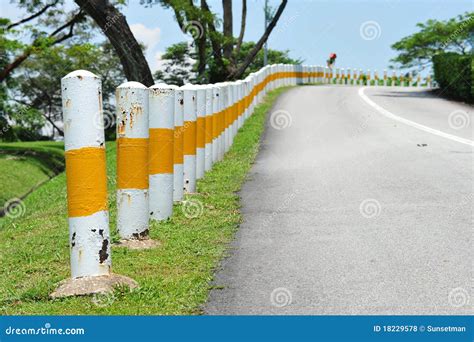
<point>392,116</point>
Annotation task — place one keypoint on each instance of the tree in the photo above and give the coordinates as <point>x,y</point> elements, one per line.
<point>36,96</point>
<point>180,62</point>
<point>53,26</point>
<point>435,37</point>
<point>179,65</point>
<point>217,50</point>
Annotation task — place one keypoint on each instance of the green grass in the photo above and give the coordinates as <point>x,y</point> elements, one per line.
<point>26,165</point>
<point>174,278</point>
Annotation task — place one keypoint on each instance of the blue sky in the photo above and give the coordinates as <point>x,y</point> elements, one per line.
<point>310,29</point>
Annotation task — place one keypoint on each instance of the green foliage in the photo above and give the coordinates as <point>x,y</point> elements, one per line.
<point>180,62</point>
<point>178,65</point>
<point>29,95</point>
<point>433,38</point>
<point>274,57</point>
<point>36,92</point>
<point>453,72</point>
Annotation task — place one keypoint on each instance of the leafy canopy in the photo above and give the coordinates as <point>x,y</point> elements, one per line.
<point>434,37</point>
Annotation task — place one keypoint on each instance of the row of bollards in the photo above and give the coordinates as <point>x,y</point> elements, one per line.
<point>168,137</point>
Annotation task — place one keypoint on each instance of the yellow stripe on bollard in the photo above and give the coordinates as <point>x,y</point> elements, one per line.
<point>130,153</point>
<point>190,138</point>
<point>86,181</point>
<point>161,150</point>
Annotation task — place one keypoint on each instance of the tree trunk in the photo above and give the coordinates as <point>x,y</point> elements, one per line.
<point>227,28</point>
<point>114,25</point>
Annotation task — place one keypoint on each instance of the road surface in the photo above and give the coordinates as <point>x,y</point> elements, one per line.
<point>349,210</point>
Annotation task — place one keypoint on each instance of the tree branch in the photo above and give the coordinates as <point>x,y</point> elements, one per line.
<point>242,28</point>
<point>7,70</point>
<point>33,16</point>
<point>250,57</point>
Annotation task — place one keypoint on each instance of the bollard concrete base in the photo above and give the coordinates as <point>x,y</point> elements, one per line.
<point>92,285</point>
<point>137,243</point>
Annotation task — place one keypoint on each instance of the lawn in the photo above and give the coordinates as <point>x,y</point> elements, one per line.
<point>174,278</point>
<point>23,166</point>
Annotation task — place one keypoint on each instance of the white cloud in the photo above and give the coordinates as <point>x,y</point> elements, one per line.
<point>150,37</point>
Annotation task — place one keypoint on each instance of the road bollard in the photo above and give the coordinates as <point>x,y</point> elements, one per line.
<point>215,123</point>
<point>200,130</point>
<point>394,78</point>
<point>132,163</point>
<point>208,129</point>
<point>88,216</point>
<point>189,132</point>
<point>161,155</point>
<point>221,123</point>
<point>178,157</point>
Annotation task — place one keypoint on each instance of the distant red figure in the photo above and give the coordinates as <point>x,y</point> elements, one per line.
<point>332,60</point>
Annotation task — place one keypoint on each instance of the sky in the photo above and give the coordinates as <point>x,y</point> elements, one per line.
<point>359,32</point>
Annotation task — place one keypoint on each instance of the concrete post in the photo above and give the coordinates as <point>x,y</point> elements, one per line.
<point>200,130</point>
<point>222,120</point>
<point>215,123</point>
<point>162,131</point>
<point>178,157</point>
<point>132,161</point>
<point>189,152</point>
<point>208,133</point>
<point>88,216</point>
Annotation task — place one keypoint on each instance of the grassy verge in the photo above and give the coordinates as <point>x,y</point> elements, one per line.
<point>26,165</point>
<point>174,278</point>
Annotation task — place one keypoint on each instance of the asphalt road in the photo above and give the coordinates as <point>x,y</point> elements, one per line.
<point>349,211</point>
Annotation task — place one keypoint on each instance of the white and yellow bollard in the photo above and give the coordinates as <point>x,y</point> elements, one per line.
<point>222,120</point>
<point>178,157</point>
<point>161,152</point>
<point>88,216</point>
<point>385,77</point>
<point>208,138</point>
<point>215,123</point>
<point>189,136</point>
<point>200,130</point>
<point>394,78</point>
<point>132,163</point>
